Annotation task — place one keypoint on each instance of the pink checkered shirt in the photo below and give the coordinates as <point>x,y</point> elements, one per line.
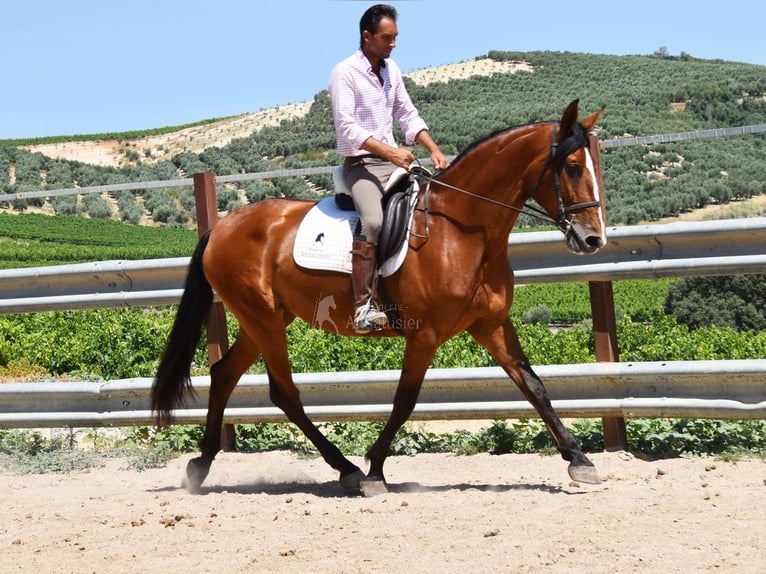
<point>362,108</point>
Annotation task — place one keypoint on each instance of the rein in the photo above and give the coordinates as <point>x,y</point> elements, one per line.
<point>530,210</point>
<point>562,222</point>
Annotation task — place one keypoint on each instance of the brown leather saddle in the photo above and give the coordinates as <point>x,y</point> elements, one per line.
<point>399,203</point>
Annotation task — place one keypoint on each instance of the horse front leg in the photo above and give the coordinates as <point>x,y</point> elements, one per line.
<point>417,357</point>
<point>503,343</point>
<point>224,376</point>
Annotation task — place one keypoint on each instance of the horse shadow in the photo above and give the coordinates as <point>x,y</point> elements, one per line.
<point>333,489</point>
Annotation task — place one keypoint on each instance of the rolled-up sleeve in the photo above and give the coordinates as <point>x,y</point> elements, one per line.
<point>407,115</point>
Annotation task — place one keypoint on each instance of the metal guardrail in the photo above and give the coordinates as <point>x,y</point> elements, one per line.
<point>636,252</point>
<point>685,389</point>
<point>684,136</point>
<point>100,284</point>
<point>683,248</point>
<point>706,389</point>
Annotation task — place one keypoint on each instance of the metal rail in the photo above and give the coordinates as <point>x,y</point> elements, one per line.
<point>636,252</point>
<point>686,389</point>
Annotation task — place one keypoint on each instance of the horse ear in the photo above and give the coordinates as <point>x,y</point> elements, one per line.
<point>590,121</point>
<point>568,120</point>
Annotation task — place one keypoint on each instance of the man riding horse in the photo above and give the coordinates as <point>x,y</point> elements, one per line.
<point>367,92</point>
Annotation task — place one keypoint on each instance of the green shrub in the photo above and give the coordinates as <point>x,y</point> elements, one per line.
<point>28,452</point>
<point>65,205</point>
<point>736,301</point>
<point>538,314</point>
<point>107,343</point>
<point>674,437</point>
<point>97,207</point>
<point>131,213</point>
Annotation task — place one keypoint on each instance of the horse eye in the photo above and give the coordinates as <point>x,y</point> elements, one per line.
<point>574,170</point>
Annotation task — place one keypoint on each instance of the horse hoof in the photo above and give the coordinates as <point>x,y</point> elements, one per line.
<point>373,487</point>
<point>353,480</point>
<point>584,473</point>
<point>196,472</point>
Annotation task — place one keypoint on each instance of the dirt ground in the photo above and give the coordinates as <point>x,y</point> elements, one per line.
<point>276,512</point>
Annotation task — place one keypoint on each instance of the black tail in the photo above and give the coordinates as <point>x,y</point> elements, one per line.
<point>174,373</point>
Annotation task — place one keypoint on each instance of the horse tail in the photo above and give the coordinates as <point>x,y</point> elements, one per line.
<point>173,378</point>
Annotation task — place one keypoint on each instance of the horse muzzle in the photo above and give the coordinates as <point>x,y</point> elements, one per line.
<point>583,239</point>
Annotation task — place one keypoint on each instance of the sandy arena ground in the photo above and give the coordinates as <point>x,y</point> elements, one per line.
<point>275,512</point>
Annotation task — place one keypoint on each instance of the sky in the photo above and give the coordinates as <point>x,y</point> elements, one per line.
<point>73,67</point>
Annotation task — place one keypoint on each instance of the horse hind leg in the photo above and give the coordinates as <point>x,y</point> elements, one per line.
<point>224,376</point>
<point>285,395</point>
<point>503,343</point>
<point>417,358</point>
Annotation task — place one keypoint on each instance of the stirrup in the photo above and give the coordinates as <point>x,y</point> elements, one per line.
<point>369,318</point>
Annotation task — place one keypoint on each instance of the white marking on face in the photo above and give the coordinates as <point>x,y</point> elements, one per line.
<point>596,193</point>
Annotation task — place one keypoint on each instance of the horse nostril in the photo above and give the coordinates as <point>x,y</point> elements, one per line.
<point>594,241</point>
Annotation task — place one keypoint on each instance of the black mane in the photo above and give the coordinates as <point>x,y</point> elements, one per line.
<point>573,141</point>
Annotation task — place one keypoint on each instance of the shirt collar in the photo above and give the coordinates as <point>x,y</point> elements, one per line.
<point>365,63</point>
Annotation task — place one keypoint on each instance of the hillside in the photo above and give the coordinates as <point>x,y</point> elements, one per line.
<point>642,95</point>
<point>116,153</point>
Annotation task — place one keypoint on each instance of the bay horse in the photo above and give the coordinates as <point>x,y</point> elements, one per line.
<point>456,277</point>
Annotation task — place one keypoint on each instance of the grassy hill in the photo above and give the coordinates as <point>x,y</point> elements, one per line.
<point>643,95</point>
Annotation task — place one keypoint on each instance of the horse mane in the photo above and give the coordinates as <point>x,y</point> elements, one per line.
<point>490,136</point>
<point>573,141</point>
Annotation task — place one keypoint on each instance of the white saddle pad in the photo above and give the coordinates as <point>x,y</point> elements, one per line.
<point>324,240</point>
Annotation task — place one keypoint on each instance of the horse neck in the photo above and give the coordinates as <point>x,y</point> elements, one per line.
<point>503,168</point>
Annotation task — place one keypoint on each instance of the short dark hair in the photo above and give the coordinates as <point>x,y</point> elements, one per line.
<point>372,17</point>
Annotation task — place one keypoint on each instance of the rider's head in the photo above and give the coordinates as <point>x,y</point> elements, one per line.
<point>371,20</point>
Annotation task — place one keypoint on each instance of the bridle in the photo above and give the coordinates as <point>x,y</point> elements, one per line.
<point>563,210</point>
<point>562,220</point>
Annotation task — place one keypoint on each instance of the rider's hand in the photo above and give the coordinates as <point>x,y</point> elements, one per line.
<point>401,157</point>
<point>439,160</point>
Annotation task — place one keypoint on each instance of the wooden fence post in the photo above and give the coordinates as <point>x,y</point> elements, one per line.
<point>605,323</point>
<point>217,335</point>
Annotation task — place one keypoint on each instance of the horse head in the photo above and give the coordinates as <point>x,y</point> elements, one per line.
<point>577,205</point>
